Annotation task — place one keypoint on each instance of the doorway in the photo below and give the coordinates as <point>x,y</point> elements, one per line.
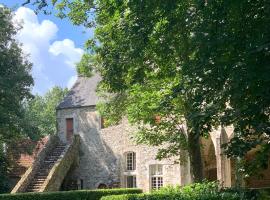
<point>69,129</point>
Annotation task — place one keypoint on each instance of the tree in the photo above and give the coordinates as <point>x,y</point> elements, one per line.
<point>230,68</point>
<point>141,56</point>
<point>212,56</point>
<point>15,86</point>
<point>15,78</point>
<point>40,112</point>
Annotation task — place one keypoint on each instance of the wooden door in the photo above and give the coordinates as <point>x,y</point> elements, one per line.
<point>69,129</point>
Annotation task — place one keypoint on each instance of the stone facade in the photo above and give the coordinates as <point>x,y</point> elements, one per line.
<point>104,152</point>
<point>102,159</point>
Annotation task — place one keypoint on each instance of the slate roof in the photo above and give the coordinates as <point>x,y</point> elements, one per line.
<point>83,93</point>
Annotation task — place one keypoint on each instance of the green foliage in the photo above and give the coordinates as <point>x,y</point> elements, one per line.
<point>78,11</point>
<point>85,66</point>
<point>70,195</point>
<point>15,79</point>
<point>4,183</point>
<point>15,86</point>
<point>141,55</point>
<point>215,54</point>
<point>40,112</point>
<point>199,191</point>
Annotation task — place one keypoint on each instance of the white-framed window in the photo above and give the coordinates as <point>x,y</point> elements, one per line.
<point>131,181</point>
<point>156,176</point>
<point>130,161</point>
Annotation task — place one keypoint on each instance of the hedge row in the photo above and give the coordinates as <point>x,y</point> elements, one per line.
<point>173,197</point>
<point>69,195</point>
<point>198,191</point>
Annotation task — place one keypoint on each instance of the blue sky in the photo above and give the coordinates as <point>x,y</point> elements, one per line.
<point>52,45</point>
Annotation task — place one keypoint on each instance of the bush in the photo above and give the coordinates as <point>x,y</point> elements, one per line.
<point>69,195</point>
<point>198,191</point>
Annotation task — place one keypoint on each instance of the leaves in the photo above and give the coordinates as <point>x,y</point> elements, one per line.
<point>40,112</point>
<point>215,54</point>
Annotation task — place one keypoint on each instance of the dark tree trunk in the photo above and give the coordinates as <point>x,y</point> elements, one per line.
<point>194,148</point>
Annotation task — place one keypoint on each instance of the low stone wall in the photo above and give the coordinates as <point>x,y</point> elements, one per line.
<point>32,170</point>
<point>60,169</point>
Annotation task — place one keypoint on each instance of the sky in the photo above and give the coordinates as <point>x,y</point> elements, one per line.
<point>53,46</point>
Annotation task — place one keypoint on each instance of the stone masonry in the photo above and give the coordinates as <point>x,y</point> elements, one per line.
<point>102,157</point>
<point>103,151</point>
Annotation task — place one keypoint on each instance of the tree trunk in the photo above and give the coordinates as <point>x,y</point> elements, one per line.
<point>194,148</point>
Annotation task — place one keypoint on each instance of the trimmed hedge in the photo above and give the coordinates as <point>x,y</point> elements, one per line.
<point>69,195</point>
<point>173,197</point>
<point>198,191</point>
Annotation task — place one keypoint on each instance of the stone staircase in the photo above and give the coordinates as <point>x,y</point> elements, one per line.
<point>50,167</point>
<point>49,161</point>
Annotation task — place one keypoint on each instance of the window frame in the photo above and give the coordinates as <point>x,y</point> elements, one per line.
<point>130,161</point>
<point>134,181</point>
<point>156,176</point>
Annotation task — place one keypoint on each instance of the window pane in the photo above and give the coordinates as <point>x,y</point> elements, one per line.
<point>159,170</point>
<point>131,161</point>
<point>153,183</point>
<point>131,181</point>
<point>156,182</point>
<point>156,170</point>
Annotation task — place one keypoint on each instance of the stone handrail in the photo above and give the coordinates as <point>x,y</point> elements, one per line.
<point>60,169</point>
<point>33,169</point>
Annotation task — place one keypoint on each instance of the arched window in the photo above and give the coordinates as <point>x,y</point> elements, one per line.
<point>156,176</point>
<point>130,161</point>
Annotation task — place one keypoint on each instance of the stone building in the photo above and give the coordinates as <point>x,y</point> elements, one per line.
<point>86,155</point>
<point>108,156</point>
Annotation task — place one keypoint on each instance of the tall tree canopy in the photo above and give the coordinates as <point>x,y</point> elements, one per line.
<point>40,112</point>
<point>15,78</point>
<point>15,85</point>
<point>203,61</point>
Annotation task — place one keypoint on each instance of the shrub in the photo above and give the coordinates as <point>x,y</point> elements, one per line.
<point>198,191</point>
<point>69,195</point>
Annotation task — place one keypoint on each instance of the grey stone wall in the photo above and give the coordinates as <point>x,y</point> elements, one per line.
<point>102,152</point>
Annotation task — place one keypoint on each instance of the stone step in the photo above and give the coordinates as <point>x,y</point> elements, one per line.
<point>59,149</point>
<point>48,163</point>
<point>52,159</point>
<point>32,190</point>
<point>38,180</point>
<point>36,183</point>
<point>56,154</point>
<point>41,177</point>
<point>35,186</point>
<point>43,171</point>
<point>52,156</point>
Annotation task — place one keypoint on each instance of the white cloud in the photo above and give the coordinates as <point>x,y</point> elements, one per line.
<point>71,81</point>
<point>34,36</point>
<point>51,59</point>
<point>66,48</point>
